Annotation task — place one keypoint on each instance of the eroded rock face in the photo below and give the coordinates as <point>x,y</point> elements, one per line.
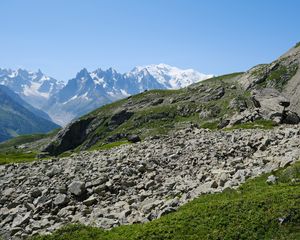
<point>69,137</point>
<point>137,182</point>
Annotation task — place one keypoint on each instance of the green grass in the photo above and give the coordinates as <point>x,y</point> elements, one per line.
<point>210,125</point>
<point>297,45</point>
<point>225,77</point>
<point>25,139</point>
<point>250,212</point>
<point>10,154</point>
<point>109,145</point>
<point>279,77</point>
<point>17,157</point>
<point>258,124</point>
<point>21,140</point>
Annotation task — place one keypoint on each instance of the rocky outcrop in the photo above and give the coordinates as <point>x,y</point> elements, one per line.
<point>119,117</point>
<point>69,137</point>
<point>136,182</point>
<point>76,132</point>
<point>269,104</point>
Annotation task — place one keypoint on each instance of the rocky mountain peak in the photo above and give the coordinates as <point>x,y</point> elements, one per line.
<point>83,73</point>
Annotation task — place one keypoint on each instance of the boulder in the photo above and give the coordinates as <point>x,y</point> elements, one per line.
<point>21,220</point>
<point>133,138</point>
<point>116,137</point>
<point>53,171</point>
<point>238,104</point>
<point>61,199</point>
<point>270,101</point>
<point>223,123</point>
<point>77,188</point>
<point>290,117</point>
<point>36,192</point>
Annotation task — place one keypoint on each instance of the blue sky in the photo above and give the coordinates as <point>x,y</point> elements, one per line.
<point>62,36</point>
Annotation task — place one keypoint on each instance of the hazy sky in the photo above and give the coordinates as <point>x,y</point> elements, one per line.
<point>62,36</point>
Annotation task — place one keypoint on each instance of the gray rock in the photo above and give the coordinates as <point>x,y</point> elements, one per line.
<point>36,193</point>
<point>21,220</point>
<point>66,211</point>
<point>166,211</point>
<point>290,117</point>
<point>133,138</point>
<point>131,183</point>
<point>61,199</point>
<point>53,171</point>
<point>150,205</point>
<point>271,179</point>
<point>77,188</point>
<point>8,192</point>
<point>107,222</point>
<point>90,201</point>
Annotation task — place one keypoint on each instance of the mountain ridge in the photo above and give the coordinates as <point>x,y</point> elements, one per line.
<point>89,90</point>
<point>18,117</point>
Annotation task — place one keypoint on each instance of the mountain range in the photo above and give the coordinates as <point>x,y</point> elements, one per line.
<point>18,117</point>
<point>89,90</point>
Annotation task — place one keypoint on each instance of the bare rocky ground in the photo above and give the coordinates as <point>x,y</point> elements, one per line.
<point>137,182</point>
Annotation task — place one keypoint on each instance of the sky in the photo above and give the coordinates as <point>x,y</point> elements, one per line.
<point>60,37</point>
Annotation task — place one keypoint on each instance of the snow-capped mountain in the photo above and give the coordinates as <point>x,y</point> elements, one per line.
<point>18,117</point>
<point>89,90</point>
<point>167,76</point>
<point>34,87</point>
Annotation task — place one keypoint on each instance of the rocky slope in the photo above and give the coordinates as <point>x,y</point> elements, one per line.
<point>137,182</point>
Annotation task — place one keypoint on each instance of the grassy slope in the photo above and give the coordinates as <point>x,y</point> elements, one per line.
<point>9,154</point>
<point>149,120</point>
<point>251,212</point>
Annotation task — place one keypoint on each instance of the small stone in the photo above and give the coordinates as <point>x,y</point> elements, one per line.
<point>107,222</point>
<point>36,193</point>
<point>66,211</point>
<point>149,184</point>
<point>271,179</point>
<point>165,211</point>
<point>90,201</point>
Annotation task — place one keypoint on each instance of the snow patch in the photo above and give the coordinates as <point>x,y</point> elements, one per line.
<point>32,90</point>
